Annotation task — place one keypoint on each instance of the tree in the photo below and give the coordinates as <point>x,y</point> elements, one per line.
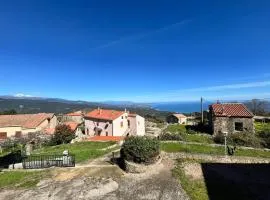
<point>258,107</point>
<point>62,135</point>
<point>9,112</point>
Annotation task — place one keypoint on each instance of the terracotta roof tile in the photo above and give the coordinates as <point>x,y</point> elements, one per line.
<point>72,125</point>
<point>104,114</point>
<point>24,120</point>
<point>106,138</point>
<point>77,113</point>
<point>231,110</point>
<point>179,115</point>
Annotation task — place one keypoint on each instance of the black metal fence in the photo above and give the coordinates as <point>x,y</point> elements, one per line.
<point>46,161</point>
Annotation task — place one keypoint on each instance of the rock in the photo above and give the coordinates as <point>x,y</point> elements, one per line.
<point>102,190</point>
<point>132,167</point>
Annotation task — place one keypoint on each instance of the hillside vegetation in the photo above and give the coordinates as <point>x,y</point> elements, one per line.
<point>65,106</point>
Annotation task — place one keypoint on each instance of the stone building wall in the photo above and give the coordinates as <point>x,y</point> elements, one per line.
<point>227,124</point>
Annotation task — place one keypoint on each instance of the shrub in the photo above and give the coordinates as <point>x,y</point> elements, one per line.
<point>239,139</point>
<point>190,131</point>
<point>140,149</point>
<point>244,139</point>
<point>63,134</point>
<point>170,136</point>
<point>219,138</point>
<point>265,137</point>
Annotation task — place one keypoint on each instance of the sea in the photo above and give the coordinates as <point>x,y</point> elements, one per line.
<point>181,107</point>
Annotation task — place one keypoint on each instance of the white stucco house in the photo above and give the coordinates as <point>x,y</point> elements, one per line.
<point>101,122</point>
<point>177,118</point>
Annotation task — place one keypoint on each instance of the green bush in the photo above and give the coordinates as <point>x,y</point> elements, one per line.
<point>244,139</point>
<point>219,138</point>
<point>265,137</point>
<point>190,131</point>
<point>169,136</point>
<point>239,139</point>
<point>140,149</point>
<point>62,135</point>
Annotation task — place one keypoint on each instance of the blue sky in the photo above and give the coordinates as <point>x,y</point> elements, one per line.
<point>140,51</point>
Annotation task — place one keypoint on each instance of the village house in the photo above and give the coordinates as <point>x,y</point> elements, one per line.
<point>100,122</point>
<point>74,116</point>
<point>177,118</point>
<point>230,118</point>
<point>75,127</point>
<point>22,124</point>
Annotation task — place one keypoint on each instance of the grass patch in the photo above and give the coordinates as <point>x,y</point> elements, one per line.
<point>195,189</point>
<point>183,132</point>
<point>21,179</point>
<point>191,148</point>
<point>204,149</point>
<point>198,138</point>
<point>82,150</point>
<point>261,126</point>
<point>176,128</point>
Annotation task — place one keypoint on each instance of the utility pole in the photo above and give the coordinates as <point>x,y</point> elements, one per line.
<point>202,109</point>
<point>225,142</point>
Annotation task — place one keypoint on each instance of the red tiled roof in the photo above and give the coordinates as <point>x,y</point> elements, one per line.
<point>106,138</point>
<point>179,115</point>
<point>72,125</point>
<point>231,110</point>
<point>24,120</point>
<point>104,114</point>
<point>77,113</point>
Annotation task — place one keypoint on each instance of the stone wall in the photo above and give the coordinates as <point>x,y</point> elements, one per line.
<point>218,159</point>
<point>227,124</point>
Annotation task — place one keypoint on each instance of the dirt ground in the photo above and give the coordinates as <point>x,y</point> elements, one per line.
<point>105,182</point>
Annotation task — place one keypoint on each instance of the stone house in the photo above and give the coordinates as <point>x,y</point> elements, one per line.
<point>177,118</point>
<point>100,122</point>
<point>230,118</point>
<point>22,124</point>
<point>75,127</point>
<point>74,116</point>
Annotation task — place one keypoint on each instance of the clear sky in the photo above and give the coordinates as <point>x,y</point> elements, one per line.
<point>139,50</point>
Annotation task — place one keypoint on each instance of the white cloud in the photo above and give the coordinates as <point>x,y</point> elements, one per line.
<point>231,86</point>
<point>210,92</point>
<point>22,95</point>
<point>141,35</point>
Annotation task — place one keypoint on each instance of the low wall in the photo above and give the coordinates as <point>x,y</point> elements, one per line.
<point>132,167</point>
<point>212,158</point>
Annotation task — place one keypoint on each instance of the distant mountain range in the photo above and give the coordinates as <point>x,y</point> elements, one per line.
<point>56,105</point>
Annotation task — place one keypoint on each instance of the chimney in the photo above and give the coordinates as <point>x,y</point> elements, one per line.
<point>99,110</point>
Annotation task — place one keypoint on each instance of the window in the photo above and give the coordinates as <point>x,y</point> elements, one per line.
<point>238,126</point>
<point>18,134</point>
<point>87,131</point>
<point>3,135</point>
<point>122,117</point>
<point>107,133</point>
<point>97,123</point>
<point>122,124</point>
<point>128,123</point>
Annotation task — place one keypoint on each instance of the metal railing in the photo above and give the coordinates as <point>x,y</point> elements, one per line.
<point>46,161</point>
